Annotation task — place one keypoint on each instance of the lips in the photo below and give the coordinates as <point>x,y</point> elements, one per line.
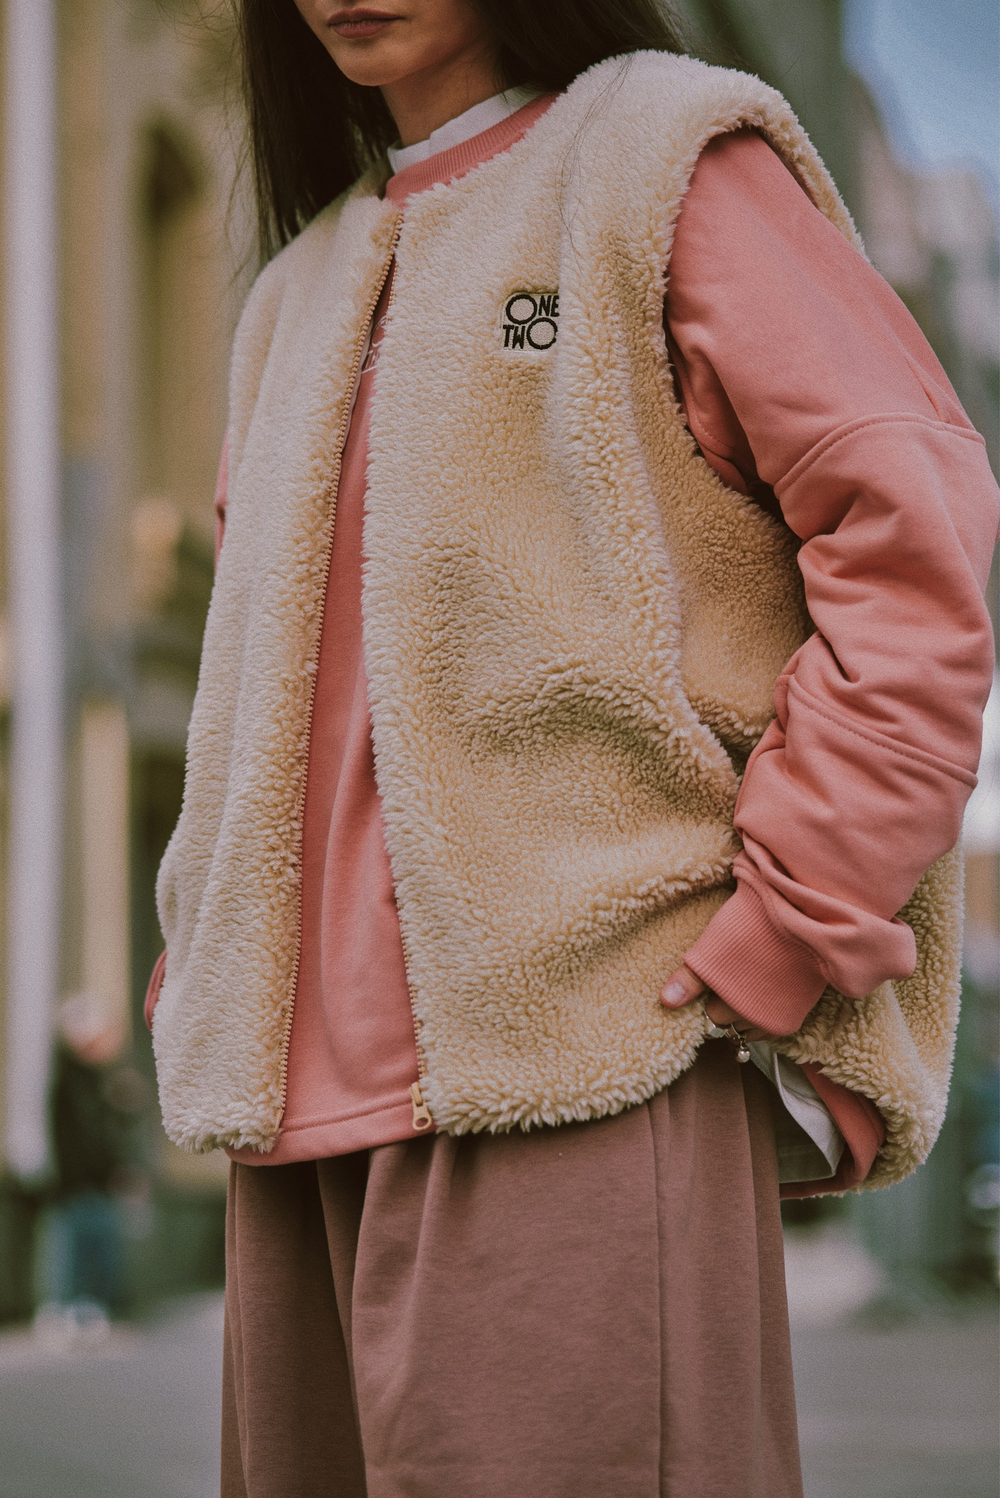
<point>357,24</point>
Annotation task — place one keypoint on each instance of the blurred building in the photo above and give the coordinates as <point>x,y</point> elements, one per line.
<point>151,245</point>
<point>796,46</point>
<point>154,256</point>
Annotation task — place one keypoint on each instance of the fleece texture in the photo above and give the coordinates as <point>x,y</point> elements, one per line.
<point>573,630</point>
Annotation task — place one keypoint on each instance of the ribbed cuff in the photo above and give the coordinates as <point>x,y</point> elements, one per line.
<point>768,978</point>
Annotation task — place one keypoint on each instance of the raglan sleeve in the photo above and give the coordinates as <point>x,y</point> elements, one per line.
<point>808,385</point>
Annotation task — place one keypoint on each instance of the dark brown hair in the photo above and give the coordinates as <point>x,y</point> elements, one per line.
<point>312,131</point>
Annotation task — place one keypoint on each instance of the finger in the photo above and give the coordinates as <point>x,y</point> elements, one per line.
<point>721,1013</point>
<point>681,988</point>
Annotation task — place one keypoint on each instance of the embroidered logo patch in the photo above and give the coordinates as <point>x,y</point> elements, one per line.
<point>531,320</point>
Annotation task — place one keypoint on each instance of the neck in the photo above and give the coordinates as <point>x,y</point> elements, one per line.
<point>427,100</point>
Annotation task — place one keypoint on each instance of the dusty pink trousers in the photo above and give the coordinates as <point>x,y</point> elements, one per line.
<point>593,1311</point>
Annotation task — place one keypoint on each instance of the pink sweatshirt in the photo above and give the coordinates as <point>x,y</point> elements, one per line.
<point>807,385</point>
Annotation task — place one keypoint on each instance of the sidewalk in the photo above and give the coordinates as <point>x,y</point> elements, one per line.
<point>909,1412</point>
<point>136,1416</point>
<point>901,1412</point>
<point>904,1409</point>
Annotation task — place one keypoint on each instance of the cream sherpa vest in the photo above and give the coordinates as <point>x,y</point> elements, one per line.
<point>572,632</point>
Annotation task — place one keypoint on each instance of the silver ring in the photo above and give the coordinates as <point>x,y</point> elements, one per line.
<point>725,1032</point>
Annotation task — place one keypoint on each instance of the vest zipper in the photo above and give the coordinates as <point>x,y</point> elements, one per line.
<point>332,487</point>
<point>422,1117</point>
<point>421,1113</point>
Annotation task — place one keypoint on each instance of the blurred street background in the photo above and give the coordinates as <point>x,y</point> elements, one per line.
<point>127,252</point>
<point>886,1410</point>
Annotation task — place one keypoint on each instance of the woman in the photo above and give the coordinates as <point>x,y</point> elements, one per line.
<point>574,451</point>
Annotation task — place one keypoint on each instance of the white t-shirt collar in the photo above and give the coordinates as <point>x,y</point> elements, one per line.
<point>463,127</point>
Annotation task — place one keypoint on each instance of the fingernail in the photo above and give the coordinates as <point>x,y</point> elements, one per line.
<point>673,994</point>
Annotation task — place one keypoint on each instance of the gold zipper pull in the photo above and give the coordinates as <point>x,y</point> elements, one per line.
<point>421,1113</point>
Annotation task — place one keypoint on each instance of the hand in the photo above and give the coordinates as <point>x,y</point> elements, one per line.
<point>684,986</point>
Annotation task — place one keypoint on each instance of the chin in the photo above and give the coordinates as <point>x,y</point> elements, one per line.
<point>374,66</point>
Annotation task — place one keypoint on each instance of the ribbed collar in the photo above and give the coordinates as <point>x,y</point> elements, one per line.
<point>464,126</point>
<point>449,165</point>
